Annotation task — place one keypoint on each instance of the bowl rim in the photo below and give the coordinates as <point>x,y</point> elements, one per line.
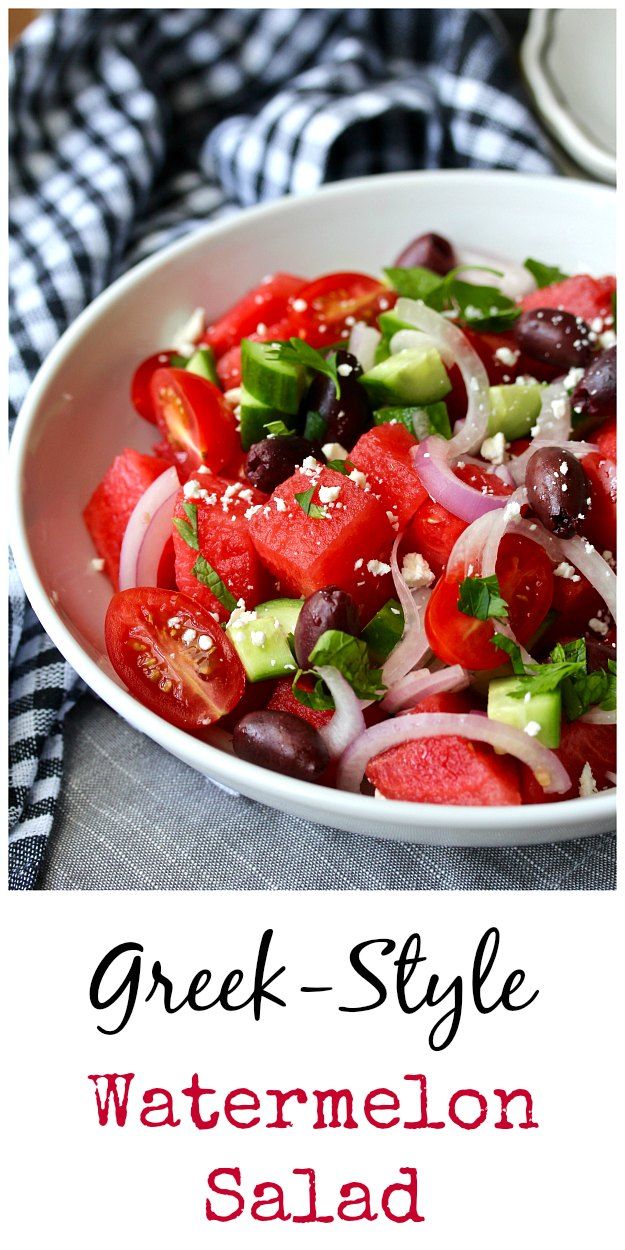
<point>556,818</point>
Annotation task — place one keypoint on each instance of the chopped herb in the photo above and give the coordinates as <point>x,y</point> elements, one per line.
<point>304,499</point>
<point>295,351</point>
<point>318,698</point>
<point>512,649</point>
<point>613,306</point>
<point>485,307</point>
<point>277,429</point>
<point>544,275</point>
<point>351,657</point>
<point>481,597</point>
<point>315,427</point>
<point>340,466</point>
<point>209,577</point>
<point>188,529</point>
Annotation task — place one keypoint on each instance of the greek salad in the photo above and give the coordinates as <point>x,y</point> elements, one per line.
<point>374,546</point>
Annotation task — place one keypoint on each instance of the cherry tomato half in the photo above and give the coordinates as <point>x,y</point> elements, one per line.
<point>329,300</point>
<point>526,581</point>
<point>140,394</point>
<point>172,656</point>
<point>264,305</point>
<point>194,417</point>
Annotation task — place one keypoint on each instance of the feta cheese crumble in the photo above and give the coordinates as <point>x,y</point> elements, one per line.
<point>599,627</point>
<point>416,571</point>
<point>190,333</point>
<point>587,783</point>
<point>358,477</point>
<point>378,568</point>
<point>334,451</point>
<point>567,572</point>
<point>494,449</point>
<point>532,728</point>
<point>329,494</point>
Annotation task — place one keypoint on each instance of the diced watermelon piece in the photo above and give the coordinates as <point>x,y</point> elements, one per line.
<point>283,700</point>
<point>383,455</point>
<point>579,744</point>
<point>581,295</point>
<point>224,541</point>
<point>433,532</point>
<point>577,602</point>
<point>605,438</point>
<point>108,511</point>
<point>342,548</point>
<point>446,770</point>
<point>600,524</point>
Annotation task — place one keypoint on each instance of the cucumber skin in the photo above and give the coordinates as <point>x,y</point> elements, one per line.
<point>546,709</point>
<point>514,409</point>
<point>436,414</point>
<point>254,417</point>
<point>274,383</point>
<point>286,611</point>
<point>257,660</point>
<point>409,377</point>
<point>202,362</point>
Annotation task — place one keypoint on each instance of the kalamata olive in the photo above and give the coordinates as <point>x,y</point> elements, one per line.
<point>283,742</point>
<point>598,653</point>
<point>555,337</point>
<point>595,393</point>
<point>346,417</point>
<point>330,608</point>
<point>272,460</point>
<point>430,251</point>
<point>557,489</point>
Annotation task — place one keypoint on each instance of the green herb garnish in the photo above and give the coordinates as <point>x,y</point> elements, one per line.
<point>481,597</point>
<point>544,275</point>
<point>304,499</point>
<point>209,577</point>
<point>295,351</point>
<point>277,429</point>
<point>188,529</point>
<point>512,649</point>
<point>484,307</point>
<point>566,671</point>
<point>351,657</point>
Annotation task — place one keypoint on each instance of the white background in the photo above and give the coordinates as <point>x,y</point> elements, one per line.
<point>71,1178</point>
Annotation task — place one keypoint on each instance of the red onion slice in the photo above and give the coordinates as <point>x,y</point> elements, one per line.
<point>513,280</point>
<point>413,644</point>
<point>147,531</point>
<point>547,768</point>
<point>416,686</point>
<point>348,721</point>
<point>432,463</point>
<point>455,347</point>
<point>363,342</point>
<point>597,716</point>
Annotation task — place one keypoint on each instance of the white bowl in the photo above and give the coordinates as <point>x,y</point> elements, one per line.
<point>77,416</point>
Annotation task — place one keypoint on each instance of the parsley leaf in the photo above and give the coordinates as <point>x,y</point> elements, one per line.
<point>484,307</point>
<point>544,275</point>
<point>188,529</point>
<point>209,577</point>
<point>295,351</point>
<point>304,499</point>
<point>317,698</point>
<point>481,597</point>
<point>351,657</point>
<point>512,649</point>
<point>414,283</point>
<point>340,466</point>
<point>277,429</point>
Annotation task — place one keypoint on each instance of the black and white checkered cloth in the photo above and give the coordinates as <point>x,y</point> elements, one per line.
<point>130,127</point>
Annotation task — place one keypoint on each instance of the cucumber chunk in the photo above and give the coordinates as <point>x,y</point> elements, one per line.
<point>254,418</point>
<point>540,709</point>
<point>276,383</point>
<point>514,409</point>
<point>284,611</point>
<point>390,323</point>
<point>413,376</point>
<point>262,648</point>
<point>424,420</point>
<point>202,362</point>
<point>384,630</point>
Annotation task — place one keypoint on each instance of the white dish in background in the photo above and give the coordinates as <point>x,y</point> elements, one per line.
<point>77,417</point>
<point>569,60</point>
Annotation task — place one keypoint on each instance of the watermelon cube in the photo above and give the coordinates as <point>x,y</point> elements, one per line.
<point>335,534</point>
<point>224,542</point>
<point>580,294</point>
<point>449,770</point>
<point>383,455</point>
<point>108,511</point>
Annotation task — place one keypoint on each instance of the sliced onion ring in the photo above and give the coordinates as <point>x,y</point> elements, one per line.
<point>348,721</point>
<point>597,716</point>
<point>513,280</point>
<point>431,460</point>
<point>419,685</point>
<point>147,531</point>
<point>547,768</point>
<point>413,644</point>
<point>363,341</point>
<point>455,348</point>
